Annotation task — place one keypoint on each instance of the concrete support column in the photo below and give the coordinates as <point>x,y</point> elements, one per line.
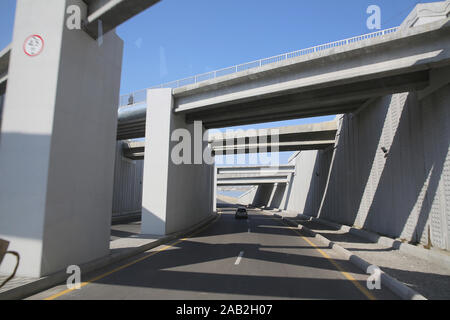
<point>272,194</point>
<point>57,141</point>
<point>175,195</point>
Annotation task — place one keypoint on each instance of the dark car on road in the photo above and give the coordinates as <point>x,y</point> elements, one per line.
<point>241,213</point>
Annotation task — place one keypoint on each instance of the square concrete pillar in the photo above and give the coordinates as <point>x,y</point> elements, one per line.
<point>175,196</point>
<point>57,141</point>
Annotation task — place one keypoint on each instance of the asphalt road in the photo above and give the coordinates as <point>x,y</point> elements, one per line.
<point>258,258</point>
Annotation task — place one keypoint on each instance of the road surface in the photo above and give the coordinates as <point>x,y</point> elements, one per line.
<point>258,258</point>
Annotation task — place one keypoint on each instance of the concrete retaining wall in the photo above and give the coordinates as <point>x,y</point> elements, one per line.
<point>127,197</point>
<point>389,171</point>
<point>401,193</point>
<point>247,197</point>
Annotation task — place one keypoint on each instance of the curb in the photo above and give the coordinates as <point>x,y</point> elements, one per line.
<point>47,282</point>
<point>416,251</point>
<point>399,288</point>
<point>126,218</point>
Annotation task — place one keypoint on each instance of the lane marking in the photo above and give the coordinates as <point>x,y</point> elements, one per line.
<point>57,295</point>
<point>238,260</point>
<point>334,263</point>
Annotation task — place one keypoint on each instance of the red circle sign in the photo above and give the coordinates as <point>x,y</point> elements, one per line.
<point>33,45</point>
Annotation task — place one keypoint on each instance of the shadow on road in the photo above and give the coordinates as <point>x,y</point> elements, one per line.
<point>204,264</point>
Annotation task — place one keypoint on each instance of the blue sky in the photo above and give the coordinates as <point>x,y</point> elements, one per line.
<point>176,39</point>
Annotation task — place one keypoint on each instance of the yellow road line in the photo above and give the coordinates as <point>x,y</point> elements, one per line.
<point>337,265</point>
<point>324,254</point>
<point>59,294</point>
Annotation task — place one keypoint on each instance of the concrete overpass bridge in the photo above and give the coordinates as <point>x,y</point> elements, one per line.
<point>340,77</point>
<point>315,136</point>
<point>68,196</point>
<point>267,186</point>
<point>253,175</point>
<point>252,181</point>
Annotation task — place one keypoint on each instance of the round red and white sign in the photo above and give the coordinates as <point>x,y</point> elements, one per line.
<point>33,45</point>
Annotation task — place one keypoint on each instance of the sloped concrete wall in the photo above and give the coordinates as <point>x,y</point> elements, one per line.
<point>306,189</point>
<point>402,191</point>
<point>267,195</point>
<point>248,197</point>
<point>128,175</point>
<point>278,196</point>
<point>389,171</point>
<point>263,195</point>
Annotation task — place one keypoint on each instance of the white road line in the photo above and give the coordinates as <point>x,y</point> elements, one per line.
<point>238,260</point>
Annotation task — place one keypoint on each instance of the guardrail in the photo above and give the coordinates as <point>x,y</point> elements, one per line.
<point>140,96</point>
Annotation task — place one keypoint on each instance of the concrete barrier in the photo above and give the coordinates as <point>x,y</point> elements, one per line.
<point>393,284</point>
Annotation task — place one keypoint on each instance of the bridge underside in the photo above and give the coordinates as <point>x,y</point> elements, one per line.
<point>336,81</point>
<point>135,151</point>
<point>317,136</point>
<point>254,175</point>
<point>338,99</point>
<point>251,182</point>
<point>112,13</point>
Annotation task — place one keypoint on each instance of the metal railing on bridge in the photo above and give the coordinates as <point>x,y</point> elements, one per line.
<point>140,96</point>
